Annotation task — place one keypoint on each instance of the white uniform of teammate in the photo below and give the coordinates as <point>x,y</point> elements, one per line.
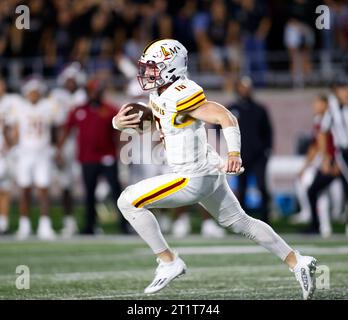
<point>67,101</point>
<point>7,104</point>
<point>34,150</point>
<point>196,177</point>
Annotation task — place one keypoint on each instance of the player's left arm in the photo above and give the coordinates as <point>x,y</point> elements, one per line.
<point>215,113</point>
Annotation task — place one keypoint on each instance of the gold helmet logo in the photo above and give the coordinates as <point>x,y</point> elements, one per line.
<point>165,53</point>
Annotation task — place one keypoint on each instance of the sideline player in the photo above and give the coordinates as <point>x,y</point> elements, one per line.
<point>7,101</point>
<point>180,109</point>
<point>32,120</point>
<point>69,94</point>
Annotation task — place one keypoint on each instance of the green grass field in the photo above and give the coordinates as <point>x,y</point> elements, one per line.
<point>116,267</point>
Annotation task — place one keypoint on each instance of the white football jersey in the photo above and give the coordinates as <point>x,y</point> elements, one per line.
<point>35,122</point>
<point>185,138</point>
<point>7,103</point>
<point>67,100</point>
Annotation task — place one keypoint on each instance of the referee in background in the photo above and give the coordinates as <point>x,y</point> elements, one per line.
<point>335,121</point>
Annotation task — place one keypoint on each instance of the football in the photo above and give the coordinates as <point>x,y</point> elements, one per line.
<point>144,112</point>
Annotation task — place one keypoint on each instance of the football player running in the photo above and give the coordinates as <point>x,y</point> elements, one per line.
<point>180,110</point>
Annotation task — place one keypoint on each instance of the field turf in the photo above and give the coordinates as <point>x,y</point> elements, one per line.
<point>116,267</point>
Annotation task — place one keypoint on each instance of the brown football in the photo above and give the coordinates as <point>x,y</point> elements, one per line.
<point>144,111</point>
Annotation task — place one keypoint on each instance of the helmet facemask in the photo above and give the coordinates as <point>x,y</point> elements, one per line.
<point>149,74</point>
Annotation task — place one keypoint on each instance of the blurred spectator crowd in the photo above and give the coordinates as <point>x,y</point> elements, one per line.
<point>225,38</point>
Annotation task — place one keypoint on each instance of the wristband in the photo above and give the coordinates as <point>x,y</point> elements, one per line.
<point>232,136</point>
<point>234,154</point>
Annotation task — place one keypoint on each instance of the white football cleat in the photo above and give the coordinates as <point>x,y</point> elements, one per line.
<point>165,273</point>
<point>211,230</point>
<point>305,274</point>
<point>181,226</point>
<point>24,228</point>
<point>45,230</point>
<point>69,227</point>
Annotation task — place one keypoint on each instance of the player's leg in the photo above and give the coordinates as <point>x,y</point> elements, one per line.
<point>301,185</point>
<point>224,206</point>
<point>345,190</point>
<point>42,181</point>
<point>4,194</point>
<point>134,204</point>
<point>90,173</point>
<point>166,191</point>
<point>110,172</point>
<point>4,210</point>
<point>23,174</point>
<point>66,180</point>
<point>320,182</point>
<point>259,170</point>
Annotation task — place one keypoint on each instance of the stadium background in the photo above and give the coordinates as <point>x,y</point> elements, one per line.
<point>100,34</point>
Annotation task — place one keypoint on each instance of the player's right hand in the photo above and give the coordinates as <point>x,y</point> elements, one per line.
<point>122,121</point>
<point>233,164</point>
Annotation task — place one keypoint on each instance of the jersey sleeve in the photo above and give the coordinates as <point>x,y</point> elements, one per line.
<point>190,96</point>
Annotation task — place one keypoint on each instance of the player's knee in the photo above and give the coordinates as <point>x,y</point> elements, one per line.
<point>123,204</point>
<point>126,207</point>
